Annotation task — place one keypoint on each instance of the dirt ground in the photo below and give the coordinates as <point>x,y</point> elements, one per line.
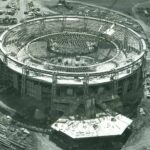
<point>120,5</point>
<point>139,140</point>
<point>43,143</point>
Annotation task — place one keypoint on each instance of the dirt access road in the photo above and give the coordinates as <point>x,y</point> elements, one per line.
<point>44,144</point>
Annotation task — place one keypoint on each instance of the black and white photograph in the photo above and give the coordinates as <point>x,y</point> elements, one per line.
<point>74,75</point>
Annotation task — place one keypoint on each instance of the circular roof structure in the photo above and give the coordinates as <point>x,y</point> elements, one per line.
<point>72,46</point>
<point>71,50</point>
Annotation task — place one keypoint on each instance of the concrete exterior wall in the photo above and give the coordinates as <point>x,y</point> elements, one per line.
<point>129,91</point>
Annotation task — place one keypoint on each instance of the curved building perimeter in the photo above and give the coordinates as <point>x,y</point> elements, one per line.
<point>68,62</point>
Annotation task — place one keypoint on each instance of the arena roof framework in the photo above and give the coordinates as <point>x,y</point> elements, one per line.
<point>130,48</point>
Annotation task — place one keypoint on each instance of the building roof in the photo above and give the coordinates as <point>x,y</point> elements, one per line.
<point>99,127</point>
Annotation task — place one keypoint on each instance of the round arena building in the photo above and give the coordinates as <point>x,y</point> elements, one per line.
<point>76,64</point>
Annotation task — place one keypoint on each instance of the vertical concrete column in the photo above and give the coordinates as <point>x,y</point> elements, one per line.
<point>125,41</point>
<point>85,23</point>
<point>125,88</point>
<point>23,80</point>
<point>63,24</point>
<point>137,79</point>
<point>86,86</point>
<point>5,59</point>
<point>38,92</point>
<point>114,83</point>
<point>53,91</point>
<point>144,74</point>
<point>42,26</point>
<point>88,105</point>
<point>15,81</point>
<point>3,73</point>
